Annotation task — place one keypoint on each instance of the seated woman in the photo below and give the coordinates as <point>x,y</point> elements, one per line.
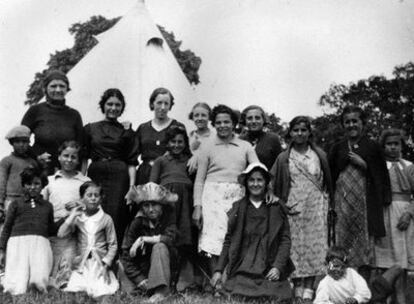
<point>256,248</point>
<point>148,249</point>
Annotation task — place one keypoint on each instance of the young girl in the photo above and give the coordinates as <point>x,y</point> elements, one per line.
<point>200,114</point>
<point>97,244</point>
<point>170,171</point>
<point>63,192</point>
<point>397,247</point>
<point>24,240</point>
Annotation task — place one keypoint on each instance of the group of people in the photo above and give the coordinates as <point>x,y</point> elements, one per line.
<point>231,213</point>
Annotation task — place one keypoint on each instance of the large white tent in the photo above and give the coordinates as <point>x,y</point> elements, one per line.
<point>133,57</point>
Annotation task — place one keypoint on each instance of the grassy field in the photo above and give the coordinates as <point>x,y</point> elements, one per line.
<point>57,297</point>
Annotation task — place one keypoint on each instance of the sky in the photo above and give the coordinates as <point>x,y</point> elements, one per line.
<point>280,54</point>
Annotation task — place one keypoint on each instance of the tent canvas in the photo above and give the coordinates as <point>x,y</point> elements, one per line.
<point>133,57</point>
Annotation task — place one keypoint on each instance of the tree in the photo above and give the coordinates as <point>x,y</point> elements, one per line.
<point>84,33</point>
<point>388,102</point>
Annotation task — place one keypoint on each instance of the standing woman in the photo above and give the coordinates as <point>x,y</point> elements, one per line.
<point>113,152</point>
<point>362,189</point>
<point>266,144</point>
<point>53,122</point>
<point>303,182</point>
<point>151,136</point>
<point>221,161</point>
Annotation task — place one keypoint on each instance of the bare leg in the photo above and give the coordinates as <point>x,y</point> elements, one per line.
<point>401,287</point>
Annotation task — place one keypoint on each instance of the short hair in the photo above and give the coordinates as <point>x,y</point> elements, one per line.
<point>70,144</point>
<point>391,132</point>
<point>298,120</point>
<point>223,109</point>
<point>86,185</point>
<point>175,130</point>
<point>354,109</point>
<point>112,93</point>
<point>253,107</point>
<point>157,92</point>
<point>337,252</point>
<point>30,173</point>
<point>199,105</point>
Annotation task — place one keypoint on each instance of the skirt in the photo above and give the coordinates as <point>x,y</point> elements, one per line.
<point>89,279</point>
<point>29,262</point>
<point>397,247</point>
<point>217,199</point>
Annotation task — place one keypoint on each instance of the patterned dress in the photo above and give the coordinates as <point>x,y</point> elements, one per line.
<point>308,224</point>
<point>352,224</point>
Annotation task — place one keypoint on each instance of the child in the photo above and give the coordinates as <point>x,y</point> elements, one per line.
<point>397,247</point>
<point>170,171</point>
<point>24,240</point>
<point>96,243</point>
<point>11,166</point>
<point>342,284</point>
<point>63,192</point>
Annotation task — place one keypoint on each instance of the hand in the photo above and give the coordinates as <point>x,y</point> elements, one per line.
<point>2,258</point>
<point>271,198</point>
<point>126,124</point>
<point>139,243</point>
<point>77,211</point>
<point>192,164</point>
<point>273,274</point>
<point>351,301</point>
<point>131,195</point>
<point>216,279</point>
<point>71,205</point>
<point>198,217</point>
<point>357,160</point>
<point>44,158</point>
<point>404,221</point>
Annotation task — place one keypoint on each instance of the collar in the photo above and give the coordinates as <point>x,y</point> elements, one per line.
<point>182,157</point>
<point>307,154</point>
<point>78,175</point>
<point>38,199</point>
<point>93,218</point>
<point>234,141</point>
<point>256,204</point>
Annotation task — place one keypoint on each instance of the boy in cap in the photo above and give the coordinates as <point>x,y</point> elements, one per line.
<point>148,248</point>
<point>12,165</point>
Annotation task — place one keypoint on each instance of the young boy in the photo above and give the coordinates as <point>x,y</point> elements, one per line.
<point>342,284</point>
<point>12,165</point>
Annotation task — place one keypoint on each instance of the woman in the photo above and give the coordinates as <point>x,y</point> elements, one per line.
<point>151,136</point>
<point>53,122</point>
<point>303,182</point>
<point>222,159</point>
<point>362,189</point>
<point>257,244</point>
<point>113,152</point>
<point>266,144</point>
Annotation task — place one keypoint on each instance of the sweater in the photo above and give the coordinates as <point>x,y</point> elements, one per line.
<point>24,219</point>
<point>10,182</point>
<point>168,169</point>
<point>51,126</point>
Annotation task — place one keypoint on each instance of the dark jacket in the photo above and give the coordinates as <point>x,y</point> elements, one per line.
<point>279,239</point>
<point>137,268</point>
<point>378,182</point>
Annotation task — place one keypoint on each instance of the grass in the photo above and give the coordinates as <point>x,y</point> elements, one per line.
<point>58,297</point>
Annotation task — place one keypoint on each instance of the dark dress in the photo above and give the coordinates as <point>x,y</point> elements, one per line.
<point>52,125</point>
<point>266,144</point>
<point>256,240</point>
<point>151,144</point>
<point>172,173</point>
<point>112,149</point>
